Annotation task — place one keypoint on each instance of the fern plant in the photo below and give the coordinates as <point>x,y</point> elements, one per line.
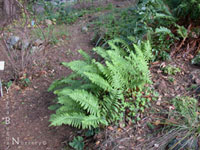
<point>94,93</point>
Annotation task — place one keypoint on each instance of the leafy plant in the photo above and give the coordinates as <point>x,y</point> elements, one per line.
<point>162,39</point>
<point>77,143</point>
<point>170,70</point>
<point>25,82</point>
<point>185,8</point>
<point>92,132</point>
<point>182,31</point>
<point>96,92</point>
<point>147,17</point>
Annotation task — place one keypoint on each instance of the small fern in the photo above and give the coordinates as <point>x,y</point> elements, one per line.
<point>100,86</point>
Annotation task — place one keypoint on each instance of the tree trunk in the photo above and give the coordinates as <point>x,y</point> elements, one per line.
<point>9,8</point>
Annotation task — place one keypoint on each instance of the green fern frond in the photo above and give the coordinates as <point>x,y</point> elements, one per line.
<point>68,109</point>
<point>163,30</point>
<point>101,52</point>
<point>124,45</point>
<point>80,67</point>
<point>89,86</point>
<point>93,122</point>
<point>86,57</point>
<point>54,107</point>
<point>98,80</point>
<point>147,50</point>
<point>103,69</point>
<point>73,119</point>
<point>63,92</point>
<point>67,80</point>
<point>160,16</point>
<point>87,101</point>
<point>115,79</point>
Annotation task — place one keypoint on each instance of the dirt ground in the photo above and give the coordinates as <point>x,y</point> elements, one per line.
<point>27,109</point>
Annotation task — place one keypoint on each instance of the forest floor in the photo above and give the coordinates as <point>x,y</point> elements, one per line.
<point>24,113</point>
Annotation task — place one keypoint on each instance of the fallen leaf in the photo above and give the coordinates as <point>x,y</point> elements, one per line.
<point>157,122</point>
<point>111,128</point>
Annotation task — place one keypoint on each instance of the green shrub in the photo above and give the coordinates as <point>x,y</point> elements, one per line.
<point>96,92</point>
<point>133,21</point>
<point>185,8</point>
<point>147,17</point>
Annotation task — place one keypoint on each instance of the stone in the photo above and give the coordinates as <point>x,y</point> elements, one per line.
<point>84,29</point>
<point>48,22</point>
<point>38,42</point>
<point>25,44</point>
<point>13,41</point>
<point>34,49</point>
<point>38,9</point>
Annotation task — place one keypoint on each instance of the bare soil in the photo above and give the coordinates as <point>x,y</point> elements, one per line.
<point>26,110</point>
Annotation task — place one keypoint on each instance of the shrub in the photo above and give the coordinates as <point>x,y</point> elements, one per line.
<point>147,17</point>
<point>95,93</point>
<point>133,21</point>
<point>185,8</point>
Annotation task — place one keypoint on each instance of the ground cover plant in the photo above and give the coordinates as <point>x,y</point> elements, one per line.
<point>151,17</point>
<point>187,9</point>
<point>181,127</point>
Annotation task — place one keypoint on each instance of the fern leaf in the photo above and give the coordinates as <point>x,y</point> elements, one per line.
<point>63,92</point>
<point>124,45</point>
<point>85,56</point>
<point>80,67</point>
<point>147,51</point>
<point>73,119</point>
<point>93,122</point>
<point>87,101</point>
<point>102,52</point>
<point>98,80</point>
<point>54,107</point>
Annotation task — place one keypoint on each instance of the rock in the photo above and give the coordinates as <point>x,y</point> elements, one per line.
<point>38,9</point>
<point>38,42</point>
<point>84,29</point>
<point>196,60</point>
<point>25,44</point>
<point>13,41</point>
<point>34,49</point>
<point>48,22</point>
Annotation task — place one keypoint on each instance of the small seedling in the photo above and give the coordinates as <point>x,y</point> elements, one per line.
<point>170,70</point>
<point>8,85</point>
<point>77,143</point>
<point>92,132</point>
<point>171,79</point>
<point>25,82</point>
